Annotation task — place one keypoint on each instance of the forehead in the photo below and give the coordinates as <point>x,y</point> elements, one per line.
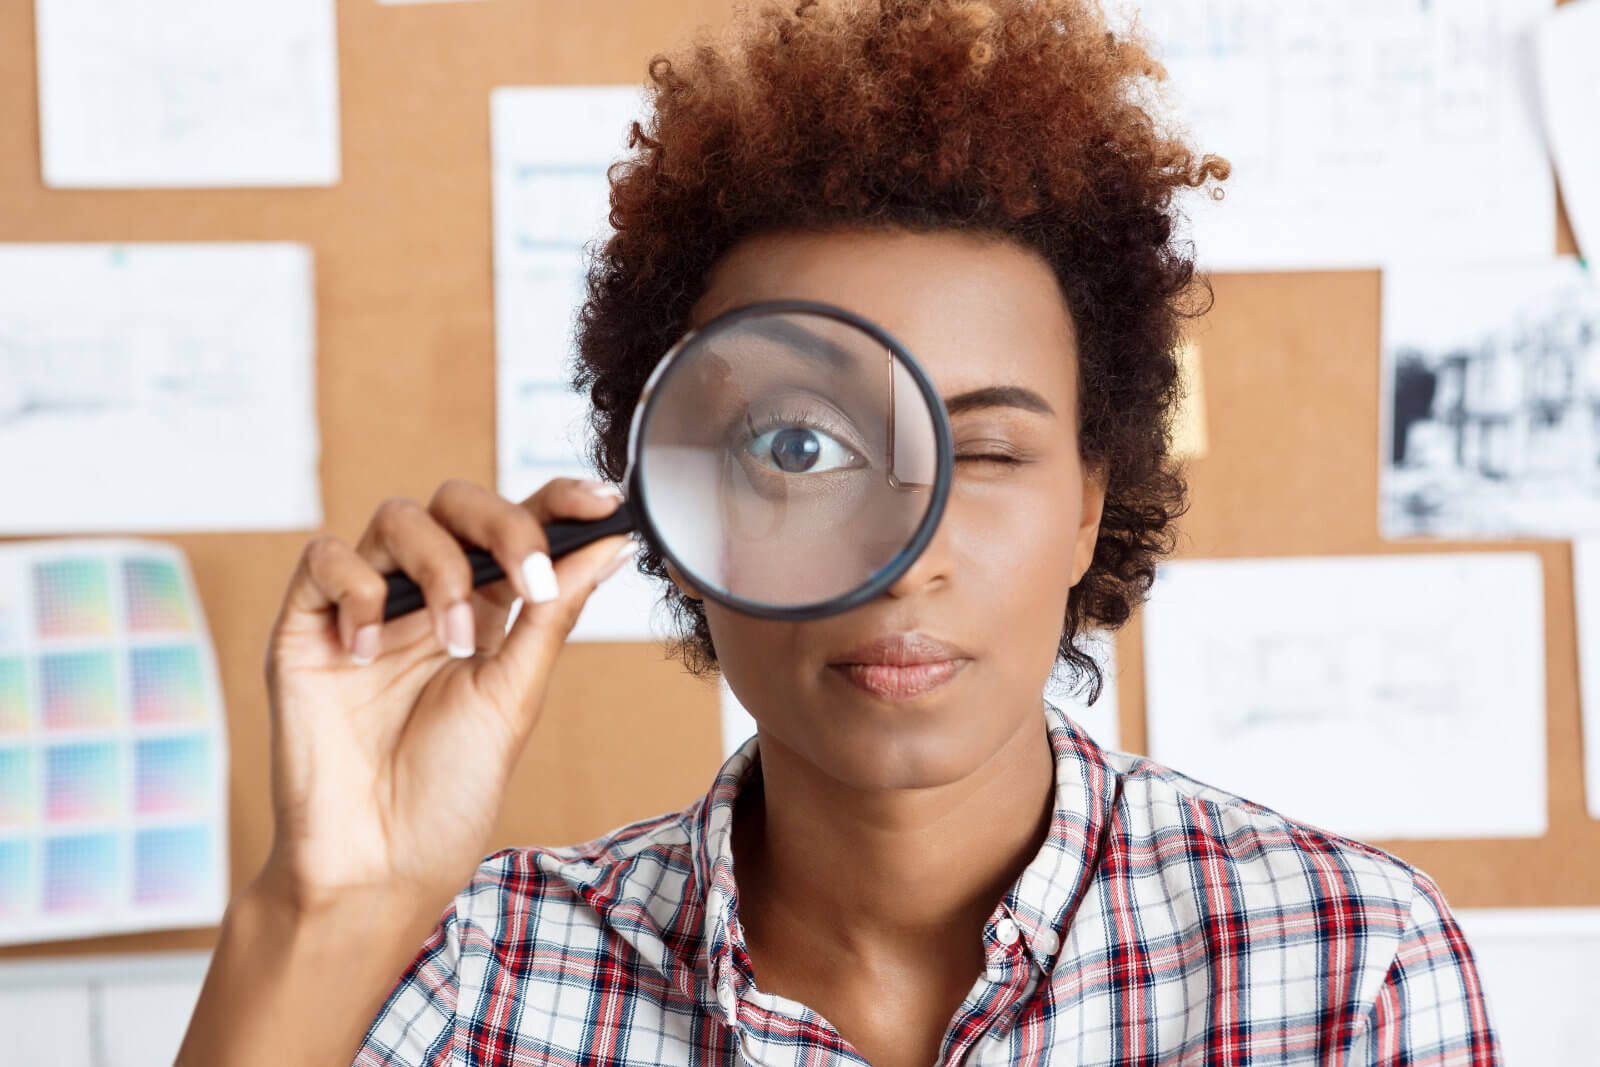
<point>975,311</point>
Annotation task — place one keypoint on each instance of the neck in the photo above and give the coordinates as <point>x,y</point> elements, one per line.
<point>882,876</point>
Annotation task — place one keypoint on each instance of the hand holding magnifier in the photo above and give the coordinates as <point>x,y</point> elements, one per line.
<point>790,459</point>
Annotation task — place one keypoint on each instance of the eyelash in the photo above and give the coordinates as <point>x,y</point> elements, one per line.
<point>779,420</point>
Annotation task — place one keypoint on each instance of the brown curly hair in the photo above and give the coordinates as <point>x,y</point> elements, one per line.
<point>1015,118</point>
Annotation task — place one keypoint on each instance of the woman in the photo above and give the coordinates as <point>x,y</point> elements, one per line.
<point>916,861</point>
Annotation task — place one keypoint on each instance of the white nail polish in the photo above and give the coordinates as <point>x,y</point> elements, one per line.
<point>610,492</point>
<point>460,627</point>
<point>540,575</point>
<point>624,554</point>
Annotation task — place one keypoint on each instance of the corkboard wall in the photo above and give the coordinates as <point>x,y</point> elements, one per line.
<point>406,399</point>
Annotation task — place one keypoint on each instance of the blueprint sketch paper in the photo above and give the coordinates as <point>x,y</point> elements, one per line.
<point>1586,591</point>
<point>1569,94</point>
<point>1490,413</point>
<point>1539,979</point>
<point>1099,720</point>
<point>113,751</point>
<point>188,93</point>
<point>157,387</point>
<point>551,198</point>
<point>1347,123</point>
<point>1377,697</point>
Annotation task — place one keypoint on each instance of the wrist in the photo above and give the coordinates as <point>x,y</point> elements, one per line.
<point>277,901</point>
<point>297,977</point>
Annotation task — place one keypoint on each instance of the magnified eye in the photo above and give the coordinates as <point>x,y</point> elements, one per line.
<point>801,450</point>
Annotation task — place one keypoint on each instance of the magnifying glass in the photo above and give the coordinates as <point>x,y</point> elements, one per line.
<point>789,458</point>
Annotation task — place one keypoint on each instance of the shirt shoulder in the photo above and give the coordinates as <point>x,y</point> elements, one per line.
<point>615,917</point>
<point>633,886</point>
<point>1300,927</point>
<point>1158,806</point>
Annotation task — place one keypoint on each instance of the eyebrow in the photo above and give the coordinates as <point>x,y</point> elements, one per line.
<point>802,341</point>
<point>998,396</point>
<point>807,342</point>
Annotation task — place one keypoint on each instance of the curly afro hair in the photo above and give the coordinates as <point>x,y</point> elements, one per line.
<point>1020,119</point>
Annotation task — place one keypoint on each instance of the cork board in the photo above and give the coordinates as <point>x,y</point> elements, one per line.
<point>406,399</point>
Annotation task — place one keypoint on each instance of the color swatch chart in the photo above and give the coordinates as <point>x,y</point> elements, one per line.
<point>113,758</point>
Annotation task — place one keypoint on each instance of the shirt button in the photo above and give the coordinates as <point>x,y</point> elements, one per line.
<point>1047,942</point>
<point>1006,932</point>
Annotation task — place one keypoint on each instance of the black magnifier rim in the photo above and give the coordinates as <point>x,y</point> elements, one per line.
<point>902,561</point>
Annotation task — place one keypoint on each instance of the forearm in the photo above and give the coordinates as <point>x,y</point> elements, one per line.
<point>296,983</point>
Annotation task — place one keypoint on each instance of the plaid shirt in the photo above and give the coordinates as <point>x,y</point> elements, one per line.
<point>1162,922</point>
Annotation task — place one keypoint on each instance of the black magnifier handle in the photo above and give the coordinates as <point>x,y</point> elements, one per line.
<point>568,535</point>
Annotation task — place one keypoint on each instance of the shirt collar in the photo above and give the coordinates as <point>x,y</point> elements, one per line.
<point>1040,902</point>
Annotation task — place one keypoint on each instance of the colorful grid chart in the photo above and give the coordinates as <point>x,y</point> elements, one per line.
<point>113,759</point>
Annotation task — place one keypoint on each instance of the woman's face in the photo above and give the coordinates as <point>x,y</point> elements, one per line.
<point>983,605</point>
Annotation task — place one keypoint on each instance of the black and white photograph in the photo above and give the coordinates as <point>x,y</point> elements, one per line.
<point>1491,401</point>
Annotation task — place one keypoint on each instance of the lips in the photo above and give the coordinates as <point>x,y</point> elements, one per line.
<point>901,666</point>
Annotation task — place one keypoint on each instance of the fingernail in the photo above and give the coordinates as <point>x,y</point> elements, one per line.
<point>624,554</point>
<point>364,649</point>
<point>606,490</point>
<point>540,576</point>
<point>460,639</point>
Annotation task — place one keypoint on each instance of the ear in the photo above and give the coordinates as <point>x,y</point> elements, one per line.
<point>682,584</point>
<point>1088,532</point>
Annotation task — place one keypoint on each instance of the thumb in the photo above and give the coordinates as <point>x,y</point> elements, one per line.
<point>520,671</point>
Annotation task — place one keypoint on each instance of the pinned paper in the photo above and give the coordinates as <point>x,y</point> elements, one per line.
<point>1413,679</point>
<point>1569,83</point>
<point>1586,593</point>
<point>1337,116</point>
<point>1490,388</point>
<point>113,755</point>
<point>157,387</point>
<point>1189,439</point>
<point>187,93</point>
<point>1539,979</point>
<point>551,196</point>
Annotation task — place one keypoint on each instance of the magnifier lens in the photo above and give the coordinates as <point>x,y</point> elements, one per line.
<point>786,459</point>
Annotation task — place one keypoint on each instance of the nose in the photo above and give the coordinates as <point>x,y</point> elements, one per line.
<point>932,570</point>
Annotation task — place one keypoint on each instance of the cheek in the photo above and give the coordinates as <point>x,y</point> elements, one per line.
<point>752,652</point>
<point>1018,533</point>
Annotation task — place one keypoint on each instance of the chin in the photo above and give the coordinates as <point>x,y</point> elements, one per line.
<point>897,746</point>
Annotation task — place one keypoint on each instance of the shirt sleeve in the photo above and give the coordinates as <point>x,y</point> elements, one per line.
<point>416,1025</point>
<point>1430,1008</point>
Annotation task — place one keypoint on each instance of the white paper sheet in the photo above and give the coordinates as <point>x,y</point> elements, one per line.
<point>1540,981</point>
<point>1569,94</point>
<point>188,93</point>
<point>551,197</point>
<point>1378,697</point>
<point>1098,720</point>
<point>737,723</point>
<point>120,1010</point>
<point>113,749</point>
<point>1490,407</point>
<point>157,387</point>
<point>1360,131</point>
<point>1586,593</point>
